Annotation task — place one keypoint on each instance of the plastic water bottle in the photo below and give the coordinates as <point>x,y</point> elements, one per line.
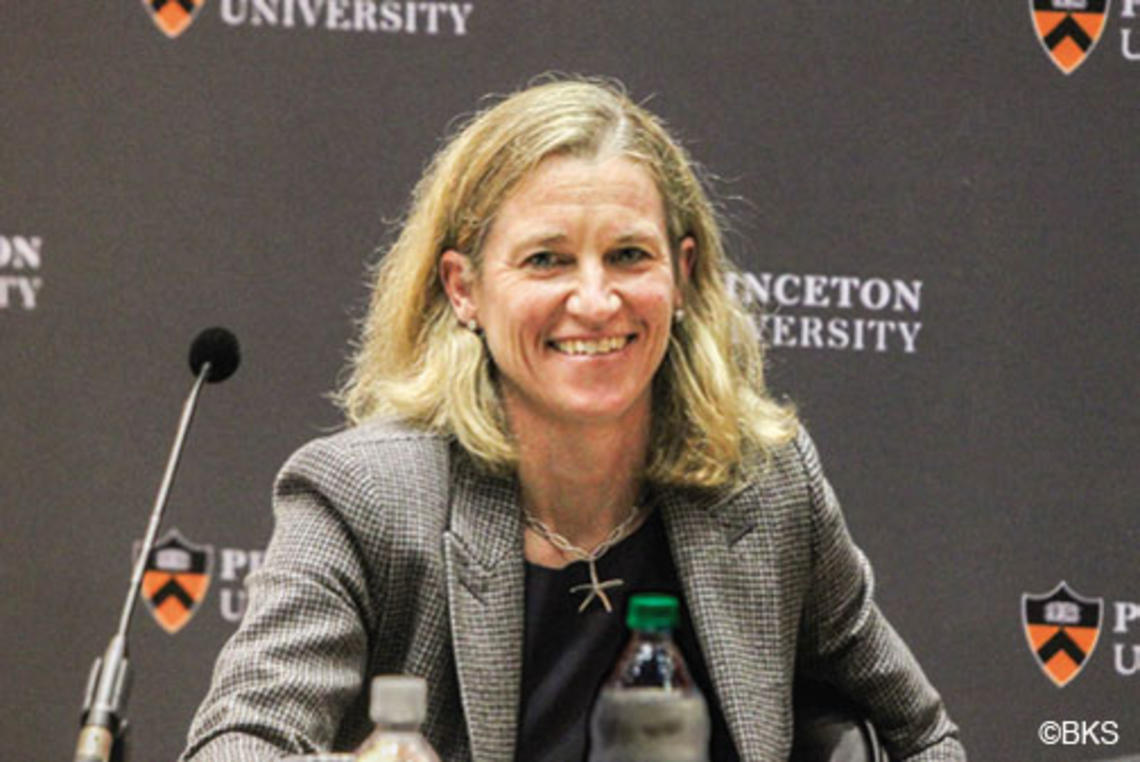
<point>650,710</point>
<point>398,706</point>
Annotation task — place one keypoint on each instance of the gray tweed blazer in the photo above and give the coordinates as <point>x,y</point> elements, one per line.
<point>393,553</point>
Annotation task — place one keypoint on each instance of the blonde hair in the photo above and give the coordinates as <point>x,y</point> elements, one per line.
<point>711,411</point>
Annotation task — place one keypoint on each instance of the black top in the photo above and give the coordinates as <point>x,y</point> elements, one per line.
<point>568,655</point>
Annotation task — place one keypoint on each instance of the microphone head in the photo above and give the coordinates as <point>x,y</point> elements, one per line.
<point>218,347</point>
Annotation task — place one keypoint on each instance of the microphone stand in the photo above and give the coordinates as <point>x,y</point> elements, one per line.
<point>103,734</point>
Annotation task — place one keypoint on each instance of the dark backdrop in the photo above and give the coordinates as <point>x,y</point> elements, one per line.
<point>242,174</point>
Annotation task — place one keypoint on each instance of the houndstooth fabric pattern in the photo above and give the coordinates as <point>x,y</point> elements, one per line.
<point>393,553</point>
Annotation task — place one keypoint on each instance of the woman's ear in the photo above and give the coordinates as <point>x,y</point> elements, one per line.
<point>456,273</point>
<point>686,257</point>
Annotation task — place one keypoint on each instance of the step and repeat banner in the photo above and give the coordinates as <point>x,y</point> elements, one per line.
<point>937,203</point>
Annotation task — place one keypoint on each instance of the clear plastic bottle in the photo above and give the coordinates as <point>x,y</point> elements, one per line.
<point>398,706</point>
<point>650,710</point>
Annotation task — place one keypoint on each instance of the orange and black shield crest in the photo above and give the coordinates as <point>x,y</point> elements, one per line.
<point>1062,629</point>
<point>1069,29</point>
<point>173,16</point>
<point>175,580</point>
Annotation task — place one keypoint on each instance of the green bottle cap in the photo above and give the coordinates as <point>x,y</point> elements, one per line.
<point>653,611</point>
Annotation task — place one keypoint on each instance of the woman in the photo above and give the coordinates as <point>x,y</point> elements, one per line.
<point>555,403</point>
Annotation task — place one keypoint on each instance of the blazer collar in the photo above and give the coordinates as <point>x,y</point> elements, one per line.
<point>483,559</point>
<point>723,552</point>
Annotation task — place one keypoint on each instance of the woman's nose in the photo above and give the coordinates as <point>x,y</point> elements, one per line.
<point>593,297</point>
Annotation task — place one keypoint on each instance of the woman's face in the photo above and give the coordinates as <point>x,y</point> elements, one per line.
<point>577,290</point>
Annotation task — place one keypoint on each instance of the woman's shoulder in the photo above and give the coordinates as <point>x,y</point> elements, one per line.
<point>789,480</point>
<point>792,462</point>
<point>379,455</point>
<point>381,434</point>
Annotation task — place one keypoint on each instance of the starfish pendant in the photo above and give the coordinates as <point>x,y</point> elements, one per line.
<point>597,589</point>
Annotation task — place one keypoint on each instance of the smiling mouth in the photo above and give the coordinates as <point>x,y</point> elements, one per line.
<point>604,346</point>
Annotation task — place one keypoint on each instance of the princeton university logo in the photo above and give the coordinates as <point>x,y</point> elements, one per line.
<point>173,16</point>
<point>1068,30</point>
<point>175,580</point>
<point>1062,629</point>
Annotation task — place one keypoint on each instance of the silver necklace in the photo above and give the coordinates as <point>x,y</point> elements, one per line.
<point>595,587</point>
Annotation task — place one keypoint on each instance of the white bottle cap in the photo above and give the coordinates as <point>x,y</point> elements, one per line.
<point>398,700</point>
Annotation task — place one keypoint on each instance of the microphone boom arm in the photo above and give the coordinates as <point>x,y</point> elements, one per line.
<point>188,409</point>
<point>108,684</point>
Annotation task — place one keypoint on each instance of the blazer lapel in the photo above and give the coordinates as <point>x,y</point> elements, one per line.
<point>485,591</point>
<point>725,560</point>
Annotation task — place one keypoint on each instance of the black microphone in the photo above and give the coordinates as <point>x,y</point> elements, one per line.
<point>219,348</point>
<point>214,356</point>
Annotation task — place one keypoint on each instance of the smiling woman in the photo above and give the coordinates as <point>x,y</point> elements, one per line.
<point>472,223</point>
<point>554,405</point>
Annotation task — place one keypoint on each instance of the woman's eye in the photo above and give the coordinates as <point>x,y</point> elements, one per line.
<point>541,259</point>
<point>629,255</point>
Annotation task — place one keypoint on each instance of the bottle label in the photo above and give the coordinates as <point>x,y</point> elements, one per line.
<point>649,725</point>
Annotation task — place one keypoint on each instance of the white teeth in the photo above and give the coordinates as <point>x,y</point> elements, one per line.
<point>599,347</point>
